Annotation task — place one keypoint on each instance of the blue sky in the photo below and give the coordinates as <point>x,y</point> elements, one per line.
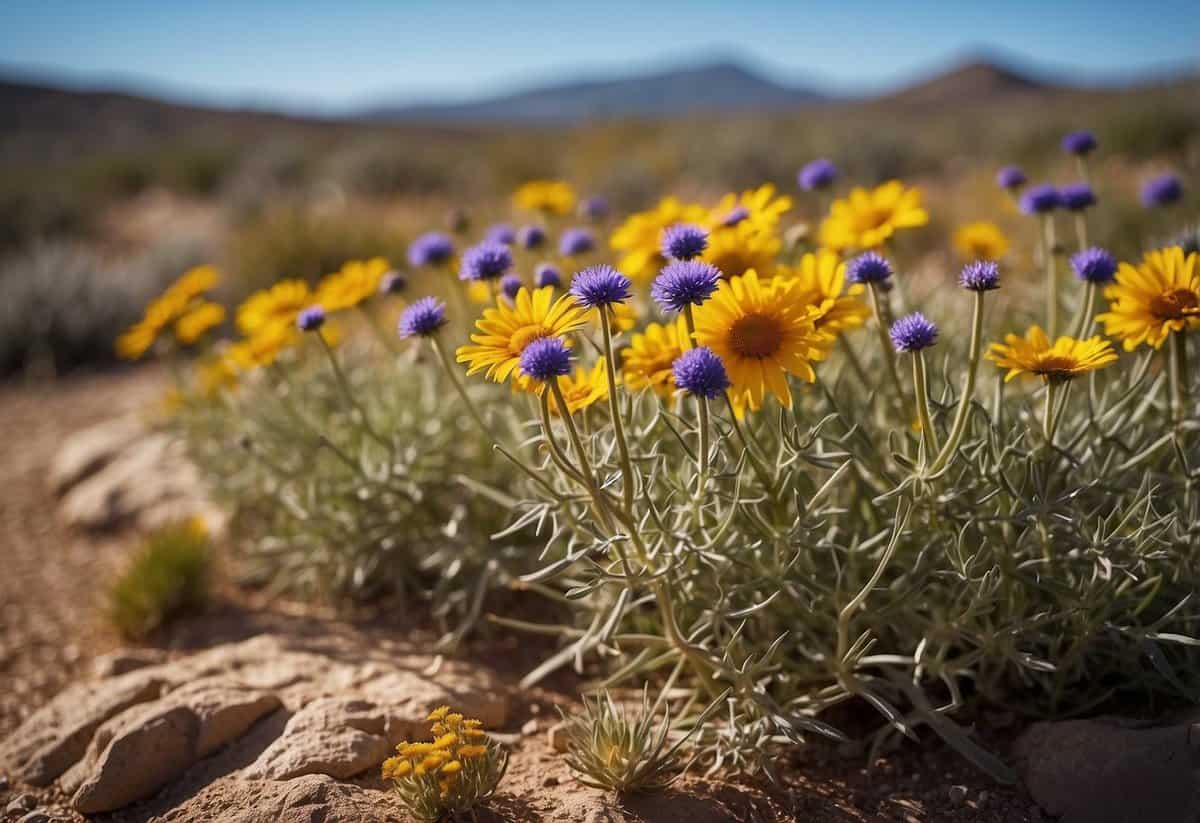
<point>323,54</point>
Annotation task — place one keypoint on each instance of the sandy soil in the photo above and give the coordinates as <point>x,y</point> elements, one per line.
<point>51,628</point>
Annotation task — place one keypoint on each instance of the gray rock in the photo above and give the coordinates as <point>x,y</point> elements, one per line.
<point>20,804</point>
<point>1109,770</point>
<point>332,736</point>
<point>35,817</point>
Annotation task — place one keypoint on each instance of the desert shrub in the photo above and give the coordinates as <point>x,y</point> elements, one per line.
<point>167,577</point>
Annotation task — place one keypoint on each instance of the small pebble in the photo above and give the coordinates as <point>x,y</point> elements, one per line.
<point>983,799</point>
<point>35,817</point>
<point>550,781</point>
<point>958,793</point>
<point>3,783</point>
<point>530,727</point>
<point>21,803</point>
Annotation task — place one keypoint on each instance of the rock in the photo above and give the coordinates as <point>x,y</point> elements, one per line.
<point>20,804</point>
<point>333,736</point>
<point>302,800</point>
<point>86,452</point>
<point>556,735</point>
<point>3,783</point>
<point>1109,770</point>
<point>957,794</point>
<point>35,817</point>
<point>124,661</point>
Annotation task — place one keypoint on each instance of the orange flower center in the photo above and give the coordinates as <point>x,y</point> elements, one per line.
<point>1175,304</point>
<point>756,335</point>
<point>1056,368</point>
<point>873,218</point>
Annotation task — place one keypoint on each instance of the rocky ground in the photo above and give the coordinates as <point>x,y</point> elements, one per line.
<point>261,711</point>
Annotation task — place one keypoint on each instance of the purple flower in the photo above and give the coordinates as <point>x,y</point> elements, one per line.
<point>913,332</point>
<point>531,237</point>
<point>393,282</point>
<point>699,371</point>
<point>546,357</point>
<point>422,318</point>
<point>487,261</point>
<point>547,274</point>
<point>1040,199</point>
<point>430,249</point>
<point>736,215</point>
<point>819,174</point>
<point>575,241</point>
<point>510,284</point>
<point>1010,177</point>
<point>982,275</point>
<point>1077,196</point>
<point>683,241</point>
<point>601,285</point>
<point>684,283</point>
<point>869,268</point>
<point>311,319</point>
<point>1162,191</point>
<point>500,233</point>
<point>1094,265</point>
<point>593,208</point>
<point>1079,142</point>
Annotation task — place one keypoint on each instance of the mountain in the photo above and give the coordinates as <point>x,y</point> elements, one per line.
<point>718,87</point>
<point>978,81</point>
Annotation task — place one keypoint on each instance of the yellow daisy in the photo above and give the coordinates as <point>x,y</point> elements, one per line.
<point>193,283</point>
<point>278,305</point>
<point>1158,296</point>
<point>216,374</point>
<point>639,238</point>
<point>1065,360</point>
<point>737,249</point>
<point>137,340</point>
<point>821,278</point>
<point>624,317</point>
<point>763,332</point>
<point>651,354</point>
<point>198,321</point>
<point>264,347</point>
<point>548,196</point>
<point>980,240</point>
<point>760,208</point>
<point>584,387</point>
<point>505,330</point>
<point>867,219</point>
<point>355,282</point>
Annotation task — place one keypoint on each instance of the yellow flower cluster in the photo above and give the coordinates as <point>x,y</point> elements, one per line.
<point>546,196</point>
<point>457,742</point>
<point>354,283</point>
<point>181,307</point>
<point>980,240</point>
<point>868,218</point>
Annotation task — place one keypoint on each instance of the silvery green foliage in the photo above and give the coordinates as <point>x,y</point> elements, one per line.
<point>333,507</point>
<point>1042,580</point>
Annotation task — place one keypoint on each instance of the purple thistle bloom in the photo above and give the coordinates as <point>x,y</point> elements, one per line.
<point>683,241</point>
<point>1094,265</point>
<point>547,274</point>
<point>982,275</point>
<point>1077,196</point>
<point>487,261</point>
<point>510,284</point>
<point>1162,191</point>
<point>575,241</point>
<point>311,319</point>
<point>818,174</point>
<point>422,318</point>
<point>601,285</point>
<point>593,208</point>
<point>531,237</point>
<point>430,249</point>
<point>500,233</point>
<point>546,357</point>
<point>699,371</point>
<point>1010,177</point>
<point>870,267</point>
<point>393,283</point>
<point>684,283</point>
<point>913,332</point>
<point>1079,142</point>
<point>1040,199</point>
<point>736,215</point>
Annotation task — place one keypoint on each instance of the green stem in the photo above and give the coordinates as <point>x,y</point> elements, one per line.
<point>702,415</point>
<point>889,354</point>
<point>1048,417</point>
<point>759,467</point>
<point>1083,320</point>
<point>1081,232</point>
<point>1180,391</point>
<point>614,406</point>
<point>356,408</point>
<point>452,371</point>
<point>921,386</point>
<point>1050,263</point>
<point>852,358</point>
<point>963,413</point>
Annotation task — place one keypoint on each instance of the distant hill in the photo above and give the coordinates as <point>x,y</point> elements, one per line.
<point>974,82</point>
<point>720,87</point>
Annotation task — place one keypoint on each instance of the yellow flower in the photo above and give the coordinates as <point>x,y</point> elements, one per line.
<point>202,318</point>
<point>583,388</point>
<point>763,332</point>
<point>504,331</point>
<point>980,241</point>
<point>821,278</point>
<point>453,767</point>
<point>867,219</point>
<point>439,713</point>
<point>548,196</point>
<point>446,740</point>
<point>1158,296</point>
<point>759,208</point>
<point>639,238</point>
<point>216,374</point>
<point>136,340</point>
<point>652,353</point>
<point>263,347</point>
<point>193,283</point>
<point>278,305</point>
<point>624,317</point>
<point>468,752</point>
<point>396,767</point>
<point>737,249</point>
<point>1065,360</point>
<point>479,292</point>
<point>355,282</point>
